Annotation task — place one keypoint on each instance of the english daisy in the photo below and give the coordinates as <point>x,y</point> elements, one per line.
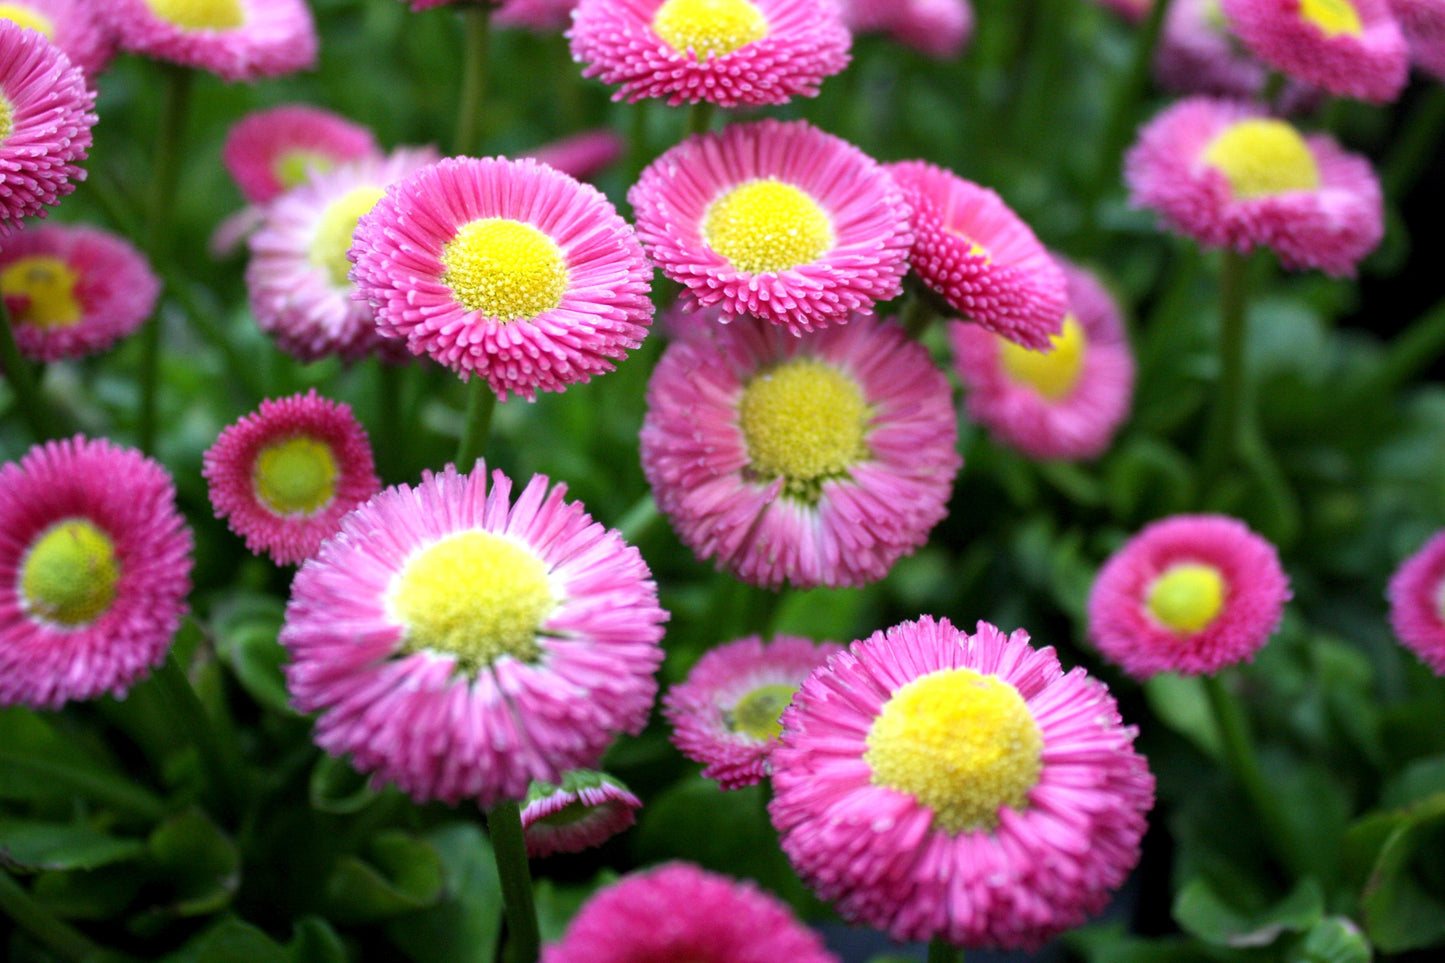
<point>975,252</point>
<point>1188,594</point>
<point>1417,603</point>
<point>506,269</point>
<point>268,152</point>
<point>1064,403</point>
<point>69,24</point>
<point>813,460</point>
<point>1198,55</point>
<point>1423,24</point>
<point>938,28</point>
<point>777,220</point>
<point>542,16</point>
<point>73,290</point>
<point>1228,175</point>
<point>725,713</point>
<point>462,646</point>
<point>283,476</point>
<point>585,810</point>
<point>678,913</point>
<point>938,785</point>
<point>583,155</point>
<point>95,566</point>
<point>45,120</point>
<point>726,52</point>
<point>243,40</point>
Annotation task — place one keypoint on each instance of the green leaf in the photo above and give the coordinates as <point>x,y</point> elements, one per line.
<point>199,861</point>
<point>338,788</point>
<point>464,926</point>
<point>230,941</point>
<point>30,846</point>
<point>558,903</point>
<point>314,941</point>
<point>1332,940</point>
<point>401,874</point>
<point>1399,914</point>
<point>1181,703</point>
<point>1199,910</point>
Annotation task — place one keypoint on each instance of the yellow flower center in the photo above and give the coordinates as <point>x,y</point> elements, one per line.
<point>961,743</point>
<point>709,27</point>
<point>200,14</point>
<point>296,476</point>
<point>334,230</point>
<point>1333,17</point>
<point>757,714</point>
<point>505,269</point>
<point>42,288</point>
<point>476,595</point>
<point>295,167</point>
<point>1263,156</point>
<point>7,118</point>
<point>28,17</point>
<point>805,421</point>
<point>766,225</point>
<point>1054,373</point>
<point>1187,597</point>
<point>70,573</point>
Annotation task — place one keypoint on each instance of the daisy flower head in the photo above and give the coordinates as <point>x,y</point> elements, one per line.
<point>1064,403</point>
<point>1197,54</point>
<point>539,16</point>
<point>725,713</point>
<point>1423,24</point>
<point>237,40</point>
<point>95,567</point>
<point>725,52</point>
<point>1353,48</point>
<point>283,476</point>
<point>505,269</point>
<point>936,28</point>
<point>268,152</point>
<point>679,913</point>
<point>986,263</point>
<point>817,460</point>
<point>461,645</point>
<point>46,113</point>
<point>585,810</point>
<point>777,220</point>
<point>936,784</point>
<point>1417,603</point>
<point>1190,594</point>
<point>297,280</point>
<point>73,290</point>
<point>70,25</point>
<point>583,155</point>
<point>1227,175</point>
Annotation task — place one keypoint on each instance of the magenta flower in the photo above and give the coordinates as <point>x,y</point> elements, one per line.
<point>283,476</point>
<point>1066,403</point>
<point>462,646</point>
<point>586,810</point>
<point>243,40</point>
<point>726,52</point>
<point>812,460</point>
<point>1423,24</point>
<point>935,784</point>
<point>1227,175</point>
<point>939,29</point>
<point>69,24</point>
<point>95,565</point>
<point>583,155</point>
<point>1417,603</point>
<point>73,290</point>
<point>678,913</point>
<point>777,220</point>
<point>975,252</point>
<point>540,16</point>
<point>1188,594</point>
<point>725,713</point>
<point>268,152</point>
<point>509,270</point>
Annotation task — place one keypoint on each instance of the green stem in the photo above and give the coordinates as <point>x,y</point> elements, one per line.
<point>504,825</point>
<point>1412,351</point>
<point>388,441</point>
<point>219,758</point>
<point>1416,146</point>
<point>699,117</point>
<point>33,407</point>
<point>940,951</point>
<point>917,314</point>
<point>165,174</point>
<point>760,608</point>
<point>476,19</point>
<point>1049,25</point>
<point>481,402</point>
<point>105,789</point>
<point>1221,439</point>
<point>638,519</point>
<point>59,937</point>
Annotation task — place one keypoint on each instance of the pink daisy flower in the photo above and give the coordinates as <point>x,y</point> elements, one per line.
<point>298,279</point>
<point>1348,47</point>
<point>462,646</point>
<point>1131,10</point>
<point>726,52</point>
<point>419,5</point>
<point>725,713</point>
<point>583,155</point>
<point>45,120</point>
<point>234,39</point>
<point>269,152</point>
<point>73,290</point>
<point>1227,175</point>
<point>283,476</point>
<point>937,28</point>
<point>1188,594</point>
<point>70,25</point>
<point>541,16</point>
<point>960,787</point>
<point>586,810</point>
<point>678,913</point>
<point>813,460</point>
<point>95,565</point>
<point>506,269</point>
<point>1417,603</point>
<point>777,220</point>
<point>1198,55</point>
<point>975,252</point>
<point>1066,403</point>
<point>1423,24</point>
